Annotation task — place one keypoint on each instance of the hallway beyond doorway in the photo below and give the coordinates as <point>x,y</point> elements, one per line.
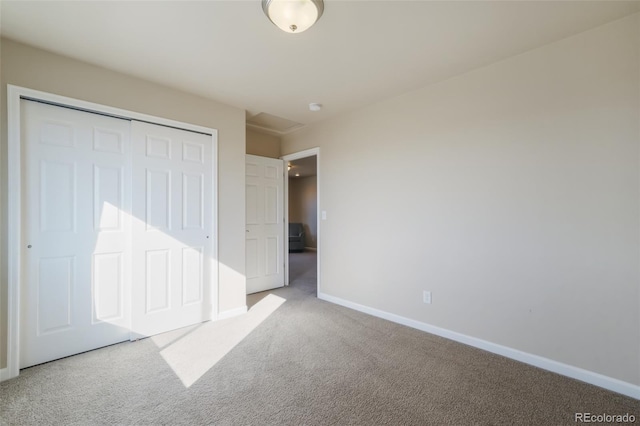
<point>303,273</point>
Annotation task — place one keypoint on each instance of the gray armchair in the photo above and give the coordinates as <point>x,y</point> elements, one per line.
<point>296,237</point>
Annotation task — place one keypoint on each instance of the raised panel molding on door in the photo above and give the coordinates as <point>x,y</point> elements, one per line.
<point>172,228</point>
<point>264,223</point>
<point>76,286</point>
<point>108,286</point>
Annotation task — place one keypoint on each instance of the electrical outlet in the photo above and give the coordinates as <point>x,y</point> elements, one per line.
<point>426,297</point>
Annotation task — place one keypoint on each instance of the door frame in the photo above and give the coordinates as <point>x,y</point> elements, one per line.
<point>290,157</point>
<point>15,198</point>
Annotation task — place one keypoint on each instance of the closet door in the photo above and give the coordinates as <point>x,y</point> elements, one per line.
<point>77,254</point>
<point>172,228</point>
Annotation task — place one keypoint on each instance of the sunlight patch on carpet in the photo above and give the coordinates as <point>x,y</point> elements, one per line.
<point>194,353</point>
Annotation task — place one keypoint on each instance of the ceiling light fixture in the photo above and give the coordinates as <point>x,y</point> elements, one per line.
<point>315,107</point>
<point>293,16</point>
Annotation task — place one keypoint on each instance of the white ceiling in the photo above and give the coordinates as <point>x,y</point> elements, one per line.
<point>358,53</point>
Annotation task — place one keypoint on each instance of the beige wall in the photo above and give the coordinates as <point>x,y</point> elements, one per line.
<point>510,192</point>
<point>36,69</point>
<point>262,144</point>
<point>303,207</point>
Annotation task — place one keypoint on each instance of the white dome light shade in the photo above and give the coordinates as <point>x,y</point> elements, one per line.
<point>293,16</point>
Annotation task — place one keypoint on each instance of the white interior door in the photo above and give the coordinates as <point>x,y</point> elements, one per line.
<point>264,223</point>
<point>172,228</point>
<point>77,254</point>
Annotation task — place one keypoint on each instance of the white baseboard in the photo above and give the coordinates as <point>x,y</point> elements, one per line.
<point>310,249</point>
<point>4,374</point>
<point>577,373</point>
<point>232,312</point>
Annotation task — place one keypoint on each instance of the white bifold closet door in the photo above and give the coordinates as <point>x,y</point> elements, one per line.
<point>172,228</point>
<point>117,232</point>
<point>77,251</point>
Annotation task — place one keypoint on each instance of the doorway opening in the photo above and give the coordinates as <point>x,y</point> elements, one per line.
<point>302,203</point>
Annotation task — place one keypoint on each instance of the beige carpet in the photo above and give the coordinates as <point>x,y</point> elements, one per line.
<point>295,360</point>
